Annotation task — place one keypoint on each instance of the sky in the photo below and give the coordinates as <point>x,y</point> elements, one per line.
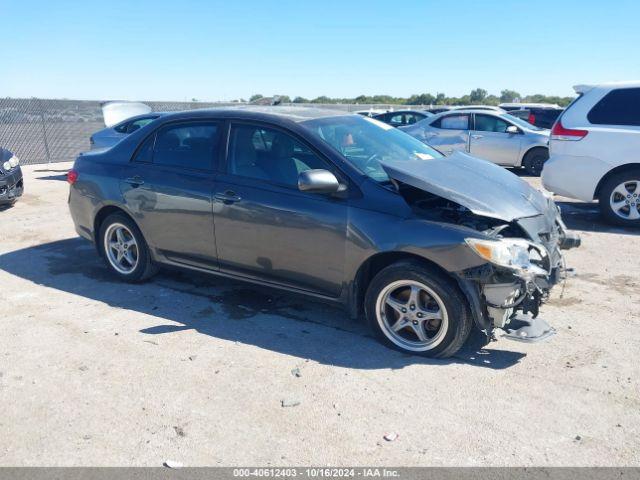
<point>231,49</point>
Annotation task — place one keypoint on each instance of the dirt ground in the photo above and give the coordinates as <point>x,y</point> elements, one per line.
<point>196,369</point>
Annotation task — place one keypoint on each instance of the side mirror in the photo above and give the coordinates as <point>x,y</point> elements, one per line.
<point>512,129</point>
<point>318,181</point>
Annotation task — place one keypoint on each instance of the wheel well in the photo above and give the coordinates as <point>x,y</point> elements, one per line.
<point>375,264</point>
<point>103,213</point>
<point>614,171</point>
<point>538,147</point>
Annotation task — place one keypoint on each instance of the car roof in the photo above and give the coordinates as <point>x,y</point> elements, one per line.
<point>295,114</point>
<point>404,110</point>
<point>526,105</point>
<point>607,85</point>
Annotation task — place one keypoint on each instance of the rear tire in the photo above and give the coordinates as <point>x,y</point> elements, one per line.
<point>124,249</point>
<point>619,198</point>
<point>415,309</point>
<point>533,161</point>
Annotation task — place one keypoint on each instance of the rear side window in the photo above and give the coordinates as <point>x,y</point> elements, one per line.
<point>618,107</point>
<point>453,122</point>
<point>188,145</point>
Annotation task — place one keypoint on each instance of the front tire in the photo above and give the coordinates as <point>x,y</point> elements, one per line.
<point>619,198</point>
<point>124,249</point>
<point>533,161</point>
<point>415,309</point>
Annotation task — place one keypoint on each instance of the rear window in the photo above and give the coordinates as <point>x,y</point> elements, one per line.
<point>618,107</point>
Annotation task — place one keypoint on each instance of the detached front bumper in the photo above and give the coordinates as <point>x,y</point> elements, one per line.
<point>11,186</point>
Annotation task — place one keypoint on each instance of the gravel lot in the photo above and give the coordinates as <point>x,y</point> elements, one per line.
<point>195,369</point>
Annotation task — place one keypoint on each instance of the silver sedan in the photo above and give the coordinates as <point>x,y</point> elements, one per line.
<point>497,137</point>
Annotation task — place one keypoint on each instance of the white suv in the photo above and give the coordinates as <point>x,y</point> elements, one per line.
<point>595,151</point>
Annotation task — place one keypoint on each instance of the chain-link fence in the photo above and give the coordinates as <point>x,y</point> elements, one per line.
<point>47,131</point>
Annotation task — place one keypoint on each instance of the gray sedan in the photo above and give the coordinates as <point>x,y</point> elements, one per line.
<point>498,137</point>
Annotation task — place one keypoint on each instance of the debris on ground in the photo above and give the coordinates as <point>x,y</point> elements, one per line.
<point>296,372</point>
<point>289,403</point>
<point>391,436</point>
<point>192,357</point>
<point>83,368</point>
<point>578,438</point>
<point>179,431</point>
<point>172,464</point>
<point>151,342</point>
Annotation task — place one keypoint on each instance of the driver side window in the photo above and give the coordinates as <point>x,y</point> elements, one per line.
<point>489,123</point>
<point>270,155</point>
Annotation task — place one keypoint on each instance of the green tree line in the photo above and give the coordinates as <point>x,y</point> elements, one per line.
<point>478,96</point>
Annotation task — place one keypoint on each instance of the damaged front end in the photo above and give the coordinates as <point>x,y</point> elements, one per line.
<point>518,231</point>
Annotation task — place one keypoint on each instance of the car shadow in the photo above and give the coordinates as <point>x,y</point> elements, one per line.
<point>62,178</point>
<point>585,216</point>
<point>253,315</point>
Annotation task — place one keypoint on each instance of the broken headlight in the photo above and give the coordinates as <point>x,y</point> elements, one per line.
<point>513,253</point>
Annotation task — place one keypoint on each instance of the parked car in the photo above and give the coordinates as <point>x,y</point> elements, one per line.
<point>340,207</point>
<point>11,181</point>
<point>594,151</point>
<point>497,137</point>
<point>540,117</point>
<point>108,137</point>
<point>401,118</point>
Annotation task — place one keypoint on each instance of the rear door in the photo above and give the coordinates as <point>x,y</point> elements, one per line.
<point>169,189</point>
<point>449,133</point>
<point>489,140</point>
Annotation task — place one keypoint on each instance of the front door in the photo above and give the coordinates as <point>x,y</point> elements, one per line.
<point>169,189</point>
<point>489,140</point>
<point>268,229</point>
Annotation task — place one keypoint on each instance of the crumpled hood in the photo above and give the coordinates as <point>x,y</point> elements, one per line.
<point>481,186</point>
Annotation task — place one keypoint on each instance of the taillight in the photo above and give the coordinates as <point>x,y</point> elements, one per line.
<point>558,132</point>
<point>531,119</point>
<point>72,176</point>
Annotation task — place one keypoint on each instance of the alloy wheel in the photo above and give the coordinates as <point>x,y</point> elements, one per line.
<point>625,200</point>
<point>121,248</point>
<point>412,315</point>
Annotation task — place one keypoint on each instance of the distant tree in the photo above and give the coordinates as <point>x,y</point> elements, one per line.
<point>478,95</point>
<point>508,96</point>
<point>422,99</point>
<point>322,99</point>
<point>283,98</point>
<point>300,100</point>
<point>491,100</point>
<point>194,99</point>
<point>255,97</point>
<point>441,99</point>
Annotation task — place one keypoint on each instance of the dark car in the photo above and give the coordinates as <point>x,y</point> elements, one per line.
<point>336,206</point>
<point>401,118</point>
<point>540,117</point>
<point>11,182</point>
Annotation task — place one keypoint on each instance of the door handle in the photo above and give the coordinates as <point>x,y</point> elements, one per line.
<point>477,136</point>
<point>227,197</point>
<point>135,181</point>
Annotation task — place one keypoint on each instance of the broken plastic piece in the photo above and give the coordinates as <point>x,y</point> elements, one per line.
<point>526,329</point>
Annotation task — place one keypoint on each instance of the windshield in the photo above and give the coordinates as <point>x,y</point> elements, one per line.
<point>521,123</point>
<point>366,142</point>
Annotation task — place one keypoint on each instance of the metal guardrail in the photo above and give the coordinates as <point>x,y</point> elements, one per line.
<point>47,131</point>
